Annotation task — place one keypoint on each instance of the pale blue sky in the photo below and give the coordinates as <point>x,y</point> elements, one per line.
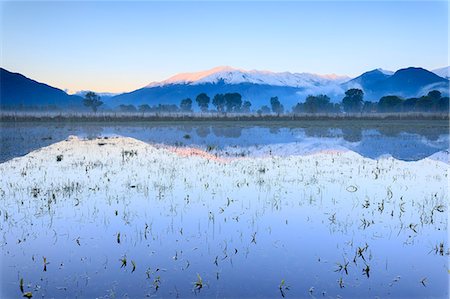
<point>122,46</point>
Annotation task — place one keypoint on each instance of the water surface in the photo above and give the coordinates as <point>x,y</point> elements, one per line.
<point>404,140</point>
<point>333,225</point>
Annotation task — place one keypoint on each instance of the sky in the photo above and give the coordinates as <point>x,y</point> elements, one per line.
<point>122,46</point>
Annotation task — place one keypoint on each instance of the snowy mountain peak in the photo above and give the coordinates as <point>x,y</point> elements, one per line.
<point>230,75</point>
<point>185,78</point>
<point>443,72</point>
<point>385,71</point>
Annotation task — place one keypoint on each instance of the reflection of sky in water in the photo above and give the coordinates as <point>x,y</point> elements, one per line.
<point>179,221</point>
<point>412,142</point>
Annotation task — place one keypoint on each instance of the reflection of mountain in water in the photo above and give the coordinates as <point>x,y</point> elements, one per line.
<point>404,141</point>
<point>403,146</point>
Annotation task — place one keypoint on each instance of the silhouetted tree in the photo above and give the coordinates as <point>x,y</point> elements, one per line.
<point>127,108</point>
<point>319,103</point>
<point>144,108</point>
<point>91,99</point>
<point>202,101</point>
<point>353,100</point>
<point>298,108</point>
<point>246,107</point>
<point>276,105</point>
<point>263,110</point>
<point>316,104</point>
<point>424,104</point>
<point>433,101</point>
<point>434,95</point>
<point>409,104</point>
<point>369,107</point>
<point>186,105</point>
<point>166,108</point>
<point>390,104</point>
<point>443,104</point>
<point>219,102</point>
<point>233,102</point>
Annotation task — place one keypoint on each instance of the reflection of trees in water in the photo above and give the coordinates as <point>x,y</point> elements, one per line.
<point>20,139</point>
<point>230,132</point>
<point>432,134</point>
<point>203,131</point>
<point>352,134</point>
<point>93,131</point>
<point>429,133</point>
<point>319,132</point>
<point>185,129</point>
<point>274,130</point>
<point>390,131</point>
<point>349,133</point>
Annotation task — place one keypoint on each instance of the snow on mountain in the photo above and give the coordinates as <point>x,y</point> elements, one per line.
<point>229,75</point>
<point>443,72</point>
<point>386,72</point>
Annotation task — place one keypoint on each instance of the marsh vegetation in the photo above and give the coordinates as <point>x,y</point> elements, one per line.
<point>118,217</point>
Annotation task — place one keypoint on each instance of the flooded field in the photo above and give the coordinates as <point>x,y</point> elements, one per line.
<point>203,210</point>
<point>404,140</point>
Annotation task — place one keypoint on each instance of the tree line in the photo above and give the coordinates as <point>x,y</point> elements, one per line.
<point>228,102</point>
<point>353,102</point>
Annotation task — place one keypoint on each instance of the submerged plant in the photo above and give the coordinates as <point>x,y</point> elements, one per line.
<point>283,288</point>
<point>28,295</point>
<point>423,281</point>
<point>366,271</point>
<point>413,226</point>
<point>157,282</point>
<point>199,283</point>
<point>45,263</point>
<point>123,261</point>
<point>342,267</point>
<point>341,283</point>
<point>254,238</point>
<point>134,266</point>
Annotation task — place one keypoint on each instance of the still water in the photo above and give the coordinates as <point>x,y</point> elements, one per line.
<point>118,218</point>
<point>404,140</point>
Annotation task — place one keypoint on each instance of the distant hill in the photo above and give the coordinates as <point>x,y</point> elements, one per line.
<point>408,82</point>
<point>369,81</point>
<point>105,96</point>
<point>443,72</point>
<point>258,94</point>
<point>255,86</point>
<point>291,88</point>
<point>17,90</point>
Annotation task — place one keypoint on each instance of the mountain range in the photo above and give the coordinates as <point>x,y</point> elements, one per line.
<point>408,82</point>
<point>17,90</point>
<point>255,86</point>
<point>443,72</point>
